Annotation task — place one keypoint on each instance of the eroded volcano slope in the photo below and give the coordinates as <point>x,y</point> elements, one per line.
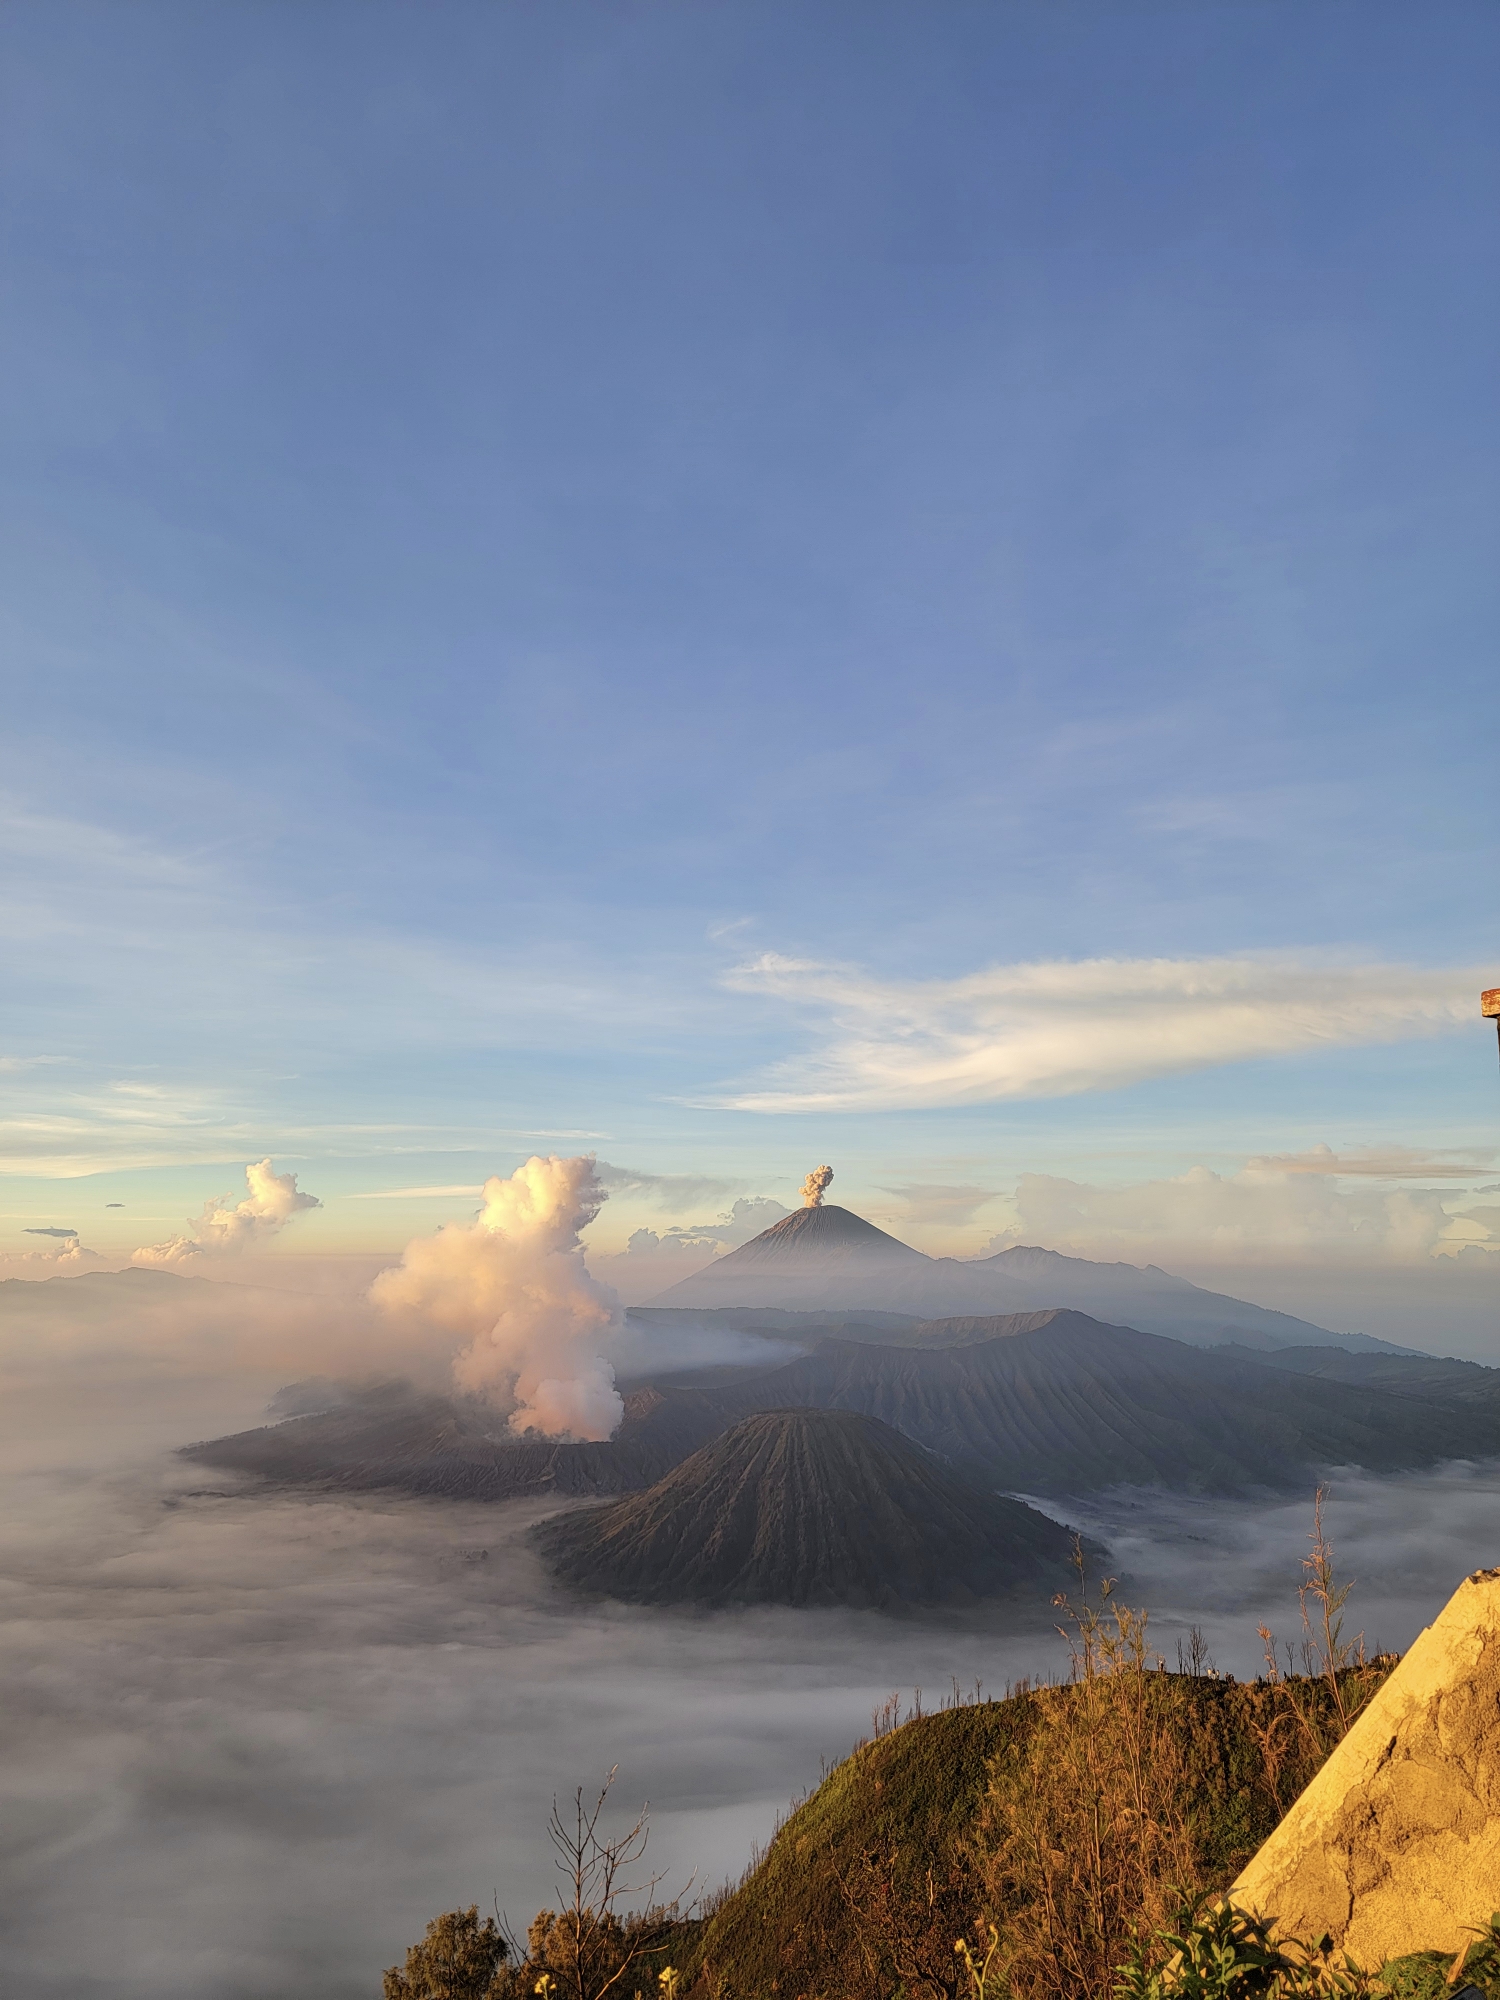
<point>810,1507</point>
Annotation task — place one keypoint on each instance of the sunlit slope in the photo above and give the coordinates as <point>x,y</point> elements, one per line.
<point>882,1849</point>
<point>811,1507</point>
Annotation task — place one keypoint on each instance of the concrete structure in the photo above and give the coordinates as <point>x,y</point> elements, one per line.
<point>1395,1846</point>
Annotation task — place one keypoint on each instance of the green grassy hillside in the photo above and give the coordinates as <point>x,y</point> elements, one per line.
<point>921,1833</point>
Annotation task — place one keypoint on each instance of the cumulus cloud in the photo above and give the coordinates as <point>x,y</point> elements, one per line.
<point>1055,1029</point>
<point>223,1231</point>
<point>1260,1210</point>
<point>650,1262</point>
<point>654,1259</point>
<point>514,1282</point>
<point>70,1257</point>
<point>933,1205</point>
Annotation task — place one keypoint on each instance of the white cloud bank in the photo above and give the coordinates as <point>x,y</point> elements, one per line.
<point>224,1231</point>
<point>652,1260</point>
<point>514,1282</point>
<point>1263,1211</point>
<point>68,1259</point>
<point>1060,1028</point>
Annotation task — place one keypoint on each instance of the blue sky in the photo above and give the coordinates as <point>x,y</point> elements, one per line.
<point>510,514</point>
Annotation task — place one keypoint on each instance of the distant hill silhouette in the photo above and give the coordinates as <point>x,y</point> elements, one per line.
<point>88,1296</point>
<point>810,1507</point>
<point>829,1259</point>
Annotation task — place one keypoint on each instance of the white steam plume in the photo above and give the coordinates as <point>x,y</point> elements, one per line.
<point>224,1231</point>
<point>813,1186</point>
<point>515,1282</point>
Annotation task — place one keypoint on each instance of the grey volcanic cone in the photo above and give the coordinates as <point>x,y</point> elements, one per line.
<point>831,1257</point>
<point>829,1234</point>
<point>810,1507</point>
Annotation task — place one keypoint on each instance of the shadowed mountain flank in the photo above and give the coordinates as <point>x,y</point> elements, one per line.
<point>831,1260</point>
<point>1427,1378</point>
<point>1040,1402</point>
<point>462,1450</point>
<point>810,1507</point>
<point>1058,1403</point>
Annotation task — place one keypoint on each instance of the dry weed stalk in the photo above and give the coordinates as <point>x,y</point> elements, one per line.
<point>1086,1822</point>
<point>1326,1656</point>
<point>902,1917</point>
<point>583,1951</point>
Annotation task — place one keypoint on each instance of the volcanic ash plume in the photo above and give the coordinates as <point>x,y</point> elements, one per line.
<point>221,1230</point>
<point>813,1186</point>
<point>515,1282</point>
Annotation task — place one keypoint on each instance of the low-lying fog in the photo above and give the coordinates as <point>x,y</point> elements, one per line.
<point>255,1741</point>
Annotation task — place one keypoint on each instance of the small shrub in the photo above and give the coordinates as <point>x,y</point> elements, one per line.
<point>461,1957</point>
<point>1221,1953</point>
<point>1431,1975</point>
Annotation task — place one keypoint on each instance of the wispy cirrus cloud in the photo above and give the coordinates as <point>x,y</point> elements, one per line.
<point>1059,1028</point>
<point>417,1193</point>
<point>1376,1163</point>
<point>678,1194</point>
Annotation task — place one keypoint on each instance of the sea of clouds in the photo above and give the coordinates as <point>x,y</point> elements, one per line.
<point>256,1739</point>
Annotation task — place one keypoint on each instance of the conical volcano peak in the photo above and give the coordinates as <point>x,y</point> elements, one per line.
<point>821,1232</point>
<point>811,1257</point>
<point>805,1506</point>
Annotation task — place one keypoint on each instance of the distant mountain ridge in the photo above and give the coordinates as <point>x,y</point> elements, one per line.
<point>1059,1403</point>
<point>88,1294</point>
<point>1046,1402</point>
<point>829,1259</point>
<point>389,1436</point>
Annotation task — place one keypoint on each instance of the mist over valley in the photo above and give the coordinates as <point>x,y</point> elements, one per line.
<point>326,1668</point>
